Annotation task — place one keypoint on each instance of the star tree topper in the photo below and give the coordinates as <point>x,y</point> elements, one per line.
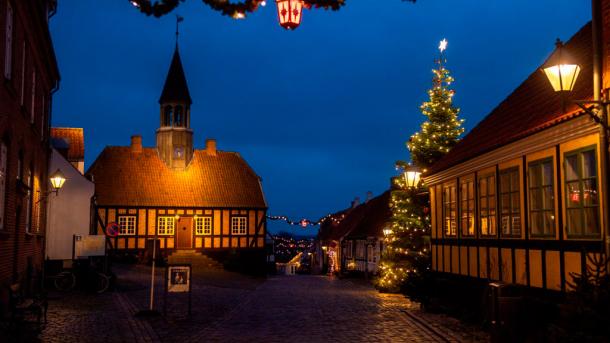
<point>443,45</point>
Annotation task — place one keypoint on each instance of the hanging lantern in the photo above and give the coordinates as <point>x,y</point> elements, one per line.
<point>412,176</point>
<point>289,13</point>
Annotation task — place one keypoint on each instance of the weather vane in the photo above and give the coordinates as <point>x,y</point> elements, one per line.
<point>179,19</point>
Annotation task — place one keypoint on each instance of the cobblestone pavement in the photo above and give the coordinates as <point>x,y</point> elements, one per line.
<point>227,307</point>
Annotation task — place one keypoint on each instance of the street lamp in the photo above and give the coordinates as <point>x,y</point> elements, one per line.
<point>561,70</point>
<point>57,181</point>
<point>412,175</point>
<point>387,231</point>
<point>290,13</point>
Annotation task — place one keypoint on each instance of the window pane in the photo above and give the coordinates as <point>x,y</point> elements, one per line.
<point>574,219</point>
<point>491,185</point>
<point>571,167</point>
<point>536,223</point>
<point>589,192</point>
<point>548,198</point>
<point>588,160</point>
<point>483,187</point>
<point>505,225</point>
<point>514,180</point>
<point>547,173</point>
<point>492,203</point>
<point>534,173</point>
<point>549,223</point>
<point>505,183</point>
<point>515,203</point>
<point>591,221</point>
<point>516,225</point>
<point>492,223</point>
<point>573,193</point>
<point>536,199</point>
<point>505,203</point>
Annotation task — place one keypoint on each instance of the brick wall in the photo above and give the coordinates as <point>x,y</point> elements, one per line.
<point>21,99</point>
<point>605,13</point>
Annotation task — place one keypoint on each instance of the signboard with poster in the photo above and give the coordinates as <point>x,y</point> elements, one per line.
<point>178,280</point>
<point>88,246</point>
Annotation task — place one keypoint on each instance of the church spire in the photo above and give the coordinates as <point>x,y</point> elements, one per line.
<point>175,88</point>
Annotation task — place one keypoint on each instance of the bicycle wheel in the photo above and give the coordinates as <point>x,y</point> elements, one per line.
<point>102,284</point>
<point>64,281</point>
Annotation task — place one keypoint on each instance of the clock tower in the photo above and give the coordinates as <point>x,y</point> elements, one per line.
<point>174,135</point>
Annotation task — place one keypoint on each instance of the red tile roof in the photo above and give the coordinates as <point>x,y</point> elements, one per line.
<point>125,178</point>
<point>365,220</point>
<point>532,107</point>
<point>75,139</point>
<point>376,218</point>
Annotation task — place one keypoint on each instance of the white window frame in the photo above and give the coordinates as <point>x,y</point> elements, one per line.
<point>203,226</point>
<point>127,225</point>
<point>8,41</point>
<point>166,225</point>
<point>239,225</point>
<point>3,168</point>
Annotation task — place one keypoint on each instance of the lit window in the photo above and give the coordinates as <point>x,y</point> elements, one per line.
<point>203,226</point>
<point>449,210</point>
<point>8,41</point>
<point>127,225</point>
<point>239,225</point>
<point>467,206</point>
<point>165,226</point>
<point>582,213</point>
<point>487,205</point>
<point>541,198</point>
<point>3,167</point>
<point>510,202</point>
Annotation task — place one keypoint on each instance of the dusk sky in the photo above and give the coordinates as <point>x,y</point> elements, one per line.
<point>320,113</point>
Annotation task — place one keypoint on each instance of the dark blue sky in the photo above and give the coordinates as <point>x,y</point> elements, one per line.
<point>320,113</point>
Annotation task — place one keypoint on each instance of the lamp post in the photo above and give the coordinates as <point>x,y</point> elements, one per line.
<point>562,73</point>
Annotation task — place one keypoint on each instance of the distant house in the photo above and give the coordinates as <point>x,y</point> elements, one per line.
<point>519,198</point>
<point>355,235</point>
<point>70,143</point>
<point>69,212</point>
<point>363,245</point>
<point>204,200</point>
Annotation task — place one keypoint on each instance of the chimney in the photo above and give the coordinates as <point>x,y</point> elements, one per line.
<point>210,147</point>
<point>356,202</point>
<point>369,196</point>
<point>136,144</point>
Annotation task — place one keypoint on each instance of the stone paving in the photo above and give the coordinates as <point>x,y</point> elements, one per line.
<point>228,307</point>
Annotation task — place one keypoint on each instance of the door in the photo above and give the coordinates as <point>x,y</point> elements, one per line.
<point>185,233</point>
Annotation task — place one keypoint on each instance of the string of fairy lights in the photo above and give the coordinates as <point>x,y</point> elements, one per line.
<point>304,223</point>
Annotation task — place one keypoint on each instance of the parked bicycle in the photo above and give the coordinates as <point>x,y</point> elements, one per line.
<point>83,274</point>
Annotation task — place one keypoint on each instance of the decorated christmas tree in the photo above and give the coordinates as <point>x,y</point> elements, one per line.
<point>406,259</point>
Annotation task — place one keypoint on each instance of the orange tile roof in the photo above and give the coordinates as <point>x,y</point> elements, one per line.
<point>532,107</point>
<point>125,178</point>
<point>75,138</point>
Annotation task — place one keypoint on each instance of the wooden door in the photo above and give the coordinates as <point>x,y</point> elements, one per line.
<point>185,233</point>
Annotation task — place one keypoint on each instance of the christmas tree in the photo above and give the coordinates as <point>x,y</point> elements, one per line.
<point>442,129</point>
<point>406,259</point>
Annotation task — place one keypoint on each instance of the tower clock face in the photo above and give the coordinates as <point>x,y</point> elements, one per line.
<point>178,152</point>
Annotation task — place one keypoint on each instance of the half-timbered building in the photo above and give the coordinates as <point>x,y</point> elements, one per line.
<point>195,199</point>
<point>519,199</point>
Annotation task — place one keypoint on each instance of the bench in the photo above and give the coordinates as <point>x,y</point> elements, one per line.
<point>20,306</point>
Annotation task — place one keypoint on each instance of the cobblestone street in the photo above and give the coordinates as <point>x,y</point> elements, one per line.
<point>235,308</point>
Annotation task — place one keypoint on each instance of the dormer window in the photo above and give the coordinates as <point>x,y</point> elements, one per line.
<point>178,118</point>
<point>167,116</point>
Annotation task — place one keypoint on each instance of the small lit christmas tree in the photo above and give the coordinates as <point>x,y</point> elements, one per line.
<point>406,259</point>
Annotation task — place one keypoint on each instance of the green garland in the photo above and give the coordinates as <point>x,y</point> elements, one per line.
<point>160,8</point>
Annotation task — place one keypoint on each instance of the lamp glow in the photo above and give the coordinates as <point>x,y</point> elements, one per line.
<point>290,13</point>
<point>57,180</point>
<point>561,70</point>
<point>412,176</point>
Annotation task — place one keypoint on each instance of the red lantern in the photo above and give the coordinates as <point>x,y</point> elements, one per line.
<point>289,12</point>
